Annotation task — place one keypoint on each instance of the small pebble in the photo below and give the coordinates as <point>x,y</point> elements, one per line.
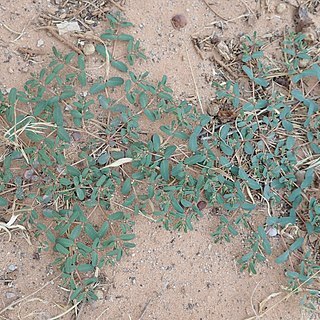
<point>40,43</point>
<point>10,70</point>
<point>310,35</point>
<point>99,294</point>
<point>25,70</point>
<point>28,174</point>
<point>76,136</point>
<point>179,21</point>
<point>12,267</point>
<point>89,49</point>
<point>10,295</point>
<point>281,7</point>
<point>272,232</point>
<point>201,205</point>
<point>303,63</point>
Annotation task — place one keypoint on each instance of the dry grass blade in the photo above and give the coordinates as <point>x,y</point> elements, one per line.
<point>261,315</point>
<point>118,163</point>
<point>14,303</point>
<point>11,226</point>
<point>194,80</point>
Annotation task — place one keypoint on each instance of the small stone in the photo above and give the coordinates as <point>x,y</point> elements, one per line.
<point>281,7</point>
<point>12,267</point>
<point>313,237</point>
<point>99,294</point>
<point>25,70</point>
<point>89,49</point>
<point>28,174</point>
<point>310,35</point>
<point>213,109</point>
<point>179,21</point>
<point>10,295</point>
<point>40,43</point>
<point>10,70</point>
<point>201,205</point>
<point>272,232</point>
<point>76,136</point>
<point>303,63</point>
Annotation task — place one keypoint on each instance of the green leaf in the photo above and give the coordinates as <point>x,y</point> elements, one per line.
<point>67,94</point>
<point>63,134</point>
<point>248,72</point>
<point>58,68</point>
<point>81,62</point>
<point>308,179</point>
<point>12,98</point>
<point>246,257</point>
<point>195,159</point>
<point>119,65</point>
<point>76,293</point>
<point>69,57</point>
<point>261,82</point>
<point>75,233</point>
<point>126,187</point>
<point>116,216</point>
<point>296,245</point>
<point>104,102</point>
<point>150,114</point>
<point>156,142</point>
<point>85,267</point>
<point>164,169</point>
<point>170,150</point>
<point>227,150</point>
<point>91,232</point>
<point>253,184</point>
<point>3,202</point>
<point>125,37</point>
<point>61,249</point>
<point>114,82</point>
<point>282,258</point>
<point>57,115</point>
<point>143,99</point>
<point>103,158</point>
<point>97,87</point>
<point>49,78</point>
<point>67,243</point>
<point>82,77</point>
<point>51,236</point>
<point>193,143</point>
<point>127,237</point>
<point>104,229</point>
<point>80,194</point>
<point>73,171</point>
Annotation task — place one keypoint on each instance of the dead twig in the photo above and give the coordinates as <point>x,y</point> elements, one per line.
<point>117,5</point>
<point>223,65</point>
<point>14,303</point>
<point>210,7</point>
<point>194,80</point>
<point>53,31</point>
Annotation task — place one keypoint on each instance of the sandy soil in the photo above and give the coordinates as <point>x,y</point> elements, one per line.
<point>169,275</point>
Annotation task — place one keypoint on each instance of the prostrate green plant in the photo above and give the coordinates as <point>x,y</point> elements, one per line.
<point>89,169</point>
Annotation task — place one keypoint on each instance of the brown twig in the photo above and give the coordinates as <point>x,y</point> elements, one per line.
<point>223,65</point>
<point>53,31</point>
<point>117,5</point>
<point>194,80</point>
<point>217,14</point>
